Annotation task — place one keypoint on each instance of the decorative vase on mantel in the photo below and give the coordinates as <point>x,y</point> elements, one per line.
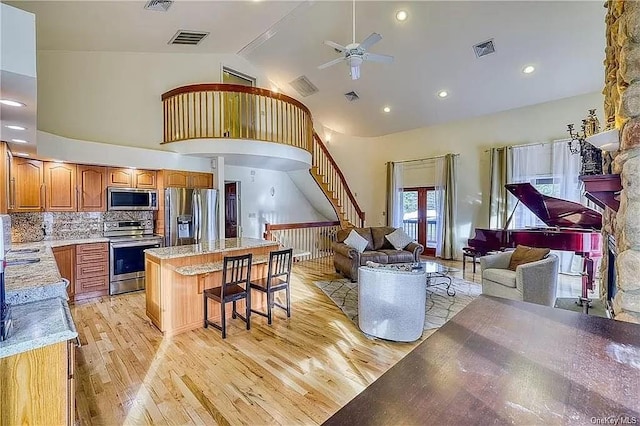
<point>590,155</point>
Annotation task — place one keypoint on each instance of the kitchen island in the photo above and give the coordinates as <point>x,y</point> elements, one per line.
<point>177,276</point>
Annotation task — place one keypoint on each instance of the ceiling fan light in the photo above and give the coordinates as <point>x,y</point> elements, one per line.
<point>355,72</point>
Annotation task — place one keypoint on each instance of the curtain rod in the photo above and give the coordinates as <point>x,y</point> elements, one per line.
<point>423,159</point>
<point>530,144</point>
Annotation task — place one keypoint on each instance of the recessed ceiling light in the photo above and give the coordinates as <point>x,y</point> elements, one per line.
<point>528,69</point>
<point>386,109</point>
<point>9,102</point>
<point>443,94</point>
<point>18,140</point>
<point>14,127</point>
<point>58,161</point>
<point>401,15</point>
<point>21,154</point>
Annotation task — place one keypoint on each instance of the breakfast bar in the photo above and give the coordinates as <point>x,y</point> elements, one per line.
<point>177,276</point>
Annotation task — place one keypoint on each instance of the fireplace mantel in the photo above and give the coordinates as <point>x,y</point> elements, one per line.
<point>604,190</point>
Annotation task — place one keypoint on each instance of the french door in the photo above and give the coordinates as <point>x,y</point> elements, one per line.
<point>421,216</point>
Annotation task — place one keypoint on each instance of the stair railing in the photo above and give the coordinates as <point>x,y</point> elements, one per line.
<point>309,241</point>
<point>334,185</point>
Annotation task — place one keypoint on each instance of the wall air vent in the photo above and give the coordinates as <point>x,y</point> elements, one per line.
<point>191,38</point>
<point>485,48</point>
<point>304,86</point>
<point>351,96</point>
<point>159,5</point>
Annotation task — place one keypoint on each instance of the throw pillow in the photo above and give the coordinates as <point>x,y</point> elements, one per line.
<point>356,241</point>
<point>399,239</point>
<point>524,254</point>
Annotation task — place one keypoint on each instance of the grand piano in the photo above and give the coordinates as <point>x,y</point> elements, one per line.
<point>571,227</point>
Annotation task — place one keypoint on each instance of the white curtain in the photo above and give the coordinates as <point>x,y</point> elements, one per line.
<point>395,186</point>
<point>528,162</point>
<point>554,171</point>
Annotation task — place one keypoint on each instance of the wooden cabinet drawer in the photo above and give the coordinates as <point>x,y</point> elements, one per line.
<point>92,287</point>
<point>93,247</point>
<point>92,257</point>
<point>89,270</point>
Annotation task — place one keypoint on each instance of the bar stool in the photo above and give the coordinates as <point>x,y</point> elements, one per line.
<point>473,254</point>
<point>236,278</point>
<point>278,278</point>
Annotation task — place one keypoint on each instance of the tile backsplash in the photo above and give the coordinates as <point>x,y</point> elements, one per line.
<point>30,227</point>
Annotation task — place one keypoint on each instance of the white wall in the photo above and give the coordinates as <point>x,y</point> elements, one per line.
<point>114,97</point>
<point>258,206</point>
<point>470,138</point>
<point>52,147</point>
<point>17,41</point>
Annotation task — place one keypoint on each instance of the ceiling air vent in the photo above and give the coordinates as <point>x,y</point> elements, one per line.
<point>304,86</point>
<point>351,96</point>
<point>485,48</point>
<point>191,38</point>
<point>159,5</point>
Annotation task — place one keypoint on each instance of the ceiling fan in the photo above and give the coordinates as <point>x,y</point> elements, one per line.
<point>356,53</point>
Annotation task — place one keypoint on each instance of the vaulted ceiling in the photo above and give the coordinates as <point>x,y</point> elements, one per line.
<point>432,49</point>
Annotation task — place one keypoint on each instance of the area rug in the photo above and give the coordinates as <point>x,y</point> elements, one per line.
<point>440,307</point>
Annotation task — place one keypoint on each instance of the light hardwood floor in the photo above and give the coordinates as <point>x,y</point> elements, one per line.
<point>297,371</point>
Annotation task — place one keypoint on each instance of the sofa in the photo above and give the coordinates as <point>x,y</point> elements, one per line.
<point>534,282</point>
<point>347,260</point>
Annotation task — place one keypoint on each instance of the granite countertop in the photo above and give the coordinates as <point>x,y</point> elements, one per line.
<point>205,268</point>
<point>217,246</point>
<point>41,280</point>
<point>38,324</point>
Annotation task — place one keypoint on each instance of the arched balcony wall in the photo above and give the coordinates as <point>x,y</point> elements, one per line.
<point>230,111</point>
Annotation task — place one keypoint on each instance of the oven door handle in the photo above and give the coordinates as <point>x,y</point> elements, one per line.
<point>135,244</point>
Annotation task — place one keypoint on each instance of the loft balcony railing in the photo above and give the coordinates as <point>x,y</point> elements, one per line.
<point>231,111</point>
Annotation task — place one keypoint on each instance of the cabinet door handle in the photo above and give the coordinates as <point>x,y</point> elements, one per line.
<point>13,193</point>
<point>43,194</point>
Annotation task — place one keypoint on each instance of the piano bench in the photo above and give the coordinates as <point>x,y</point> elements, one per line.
<point>473,254</point>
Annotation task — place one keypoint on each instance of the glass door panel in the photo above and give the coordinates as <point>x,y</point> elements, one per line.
<point>421,217</point>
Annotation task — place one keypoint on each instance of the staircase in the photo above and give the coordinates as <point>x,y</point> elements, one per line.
<point>330,179</point>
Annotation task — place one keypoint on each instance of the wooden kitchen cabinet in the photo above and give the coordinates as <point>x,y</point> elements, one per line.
<point>26,185</point>
<point>60,187</point>
<point>92,188</point>
<point>176,179</point>
<point>5,158</point>
<point>200,180</point>
<point>66,260</point>
<point>120,177</point>
<point>183,179</point>
<point>38,386</point>
<point>145,179</point>
<point>92,270</point>
<point>132,178</point>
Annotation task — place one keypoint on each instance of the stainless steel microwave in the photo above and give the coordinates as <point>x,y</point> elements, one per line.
<point>131,199</point>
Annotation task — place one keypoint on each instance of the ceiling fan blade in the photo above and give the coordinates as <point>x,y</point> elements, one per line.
<point>330,63</point>
<point>370,41</point>
<point>335,45</point>
<point>374,57</point>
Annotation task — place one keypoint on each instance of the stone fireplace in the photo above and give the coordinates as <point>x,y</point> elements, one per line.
<point>622,111</point>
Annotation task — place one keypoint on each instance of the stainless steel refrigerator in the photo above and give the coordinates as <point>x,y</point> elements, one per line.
<point>190,215</point>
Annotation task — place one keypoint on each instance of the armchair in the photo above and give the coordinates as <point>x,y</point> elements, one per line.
<point>534,282</point>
